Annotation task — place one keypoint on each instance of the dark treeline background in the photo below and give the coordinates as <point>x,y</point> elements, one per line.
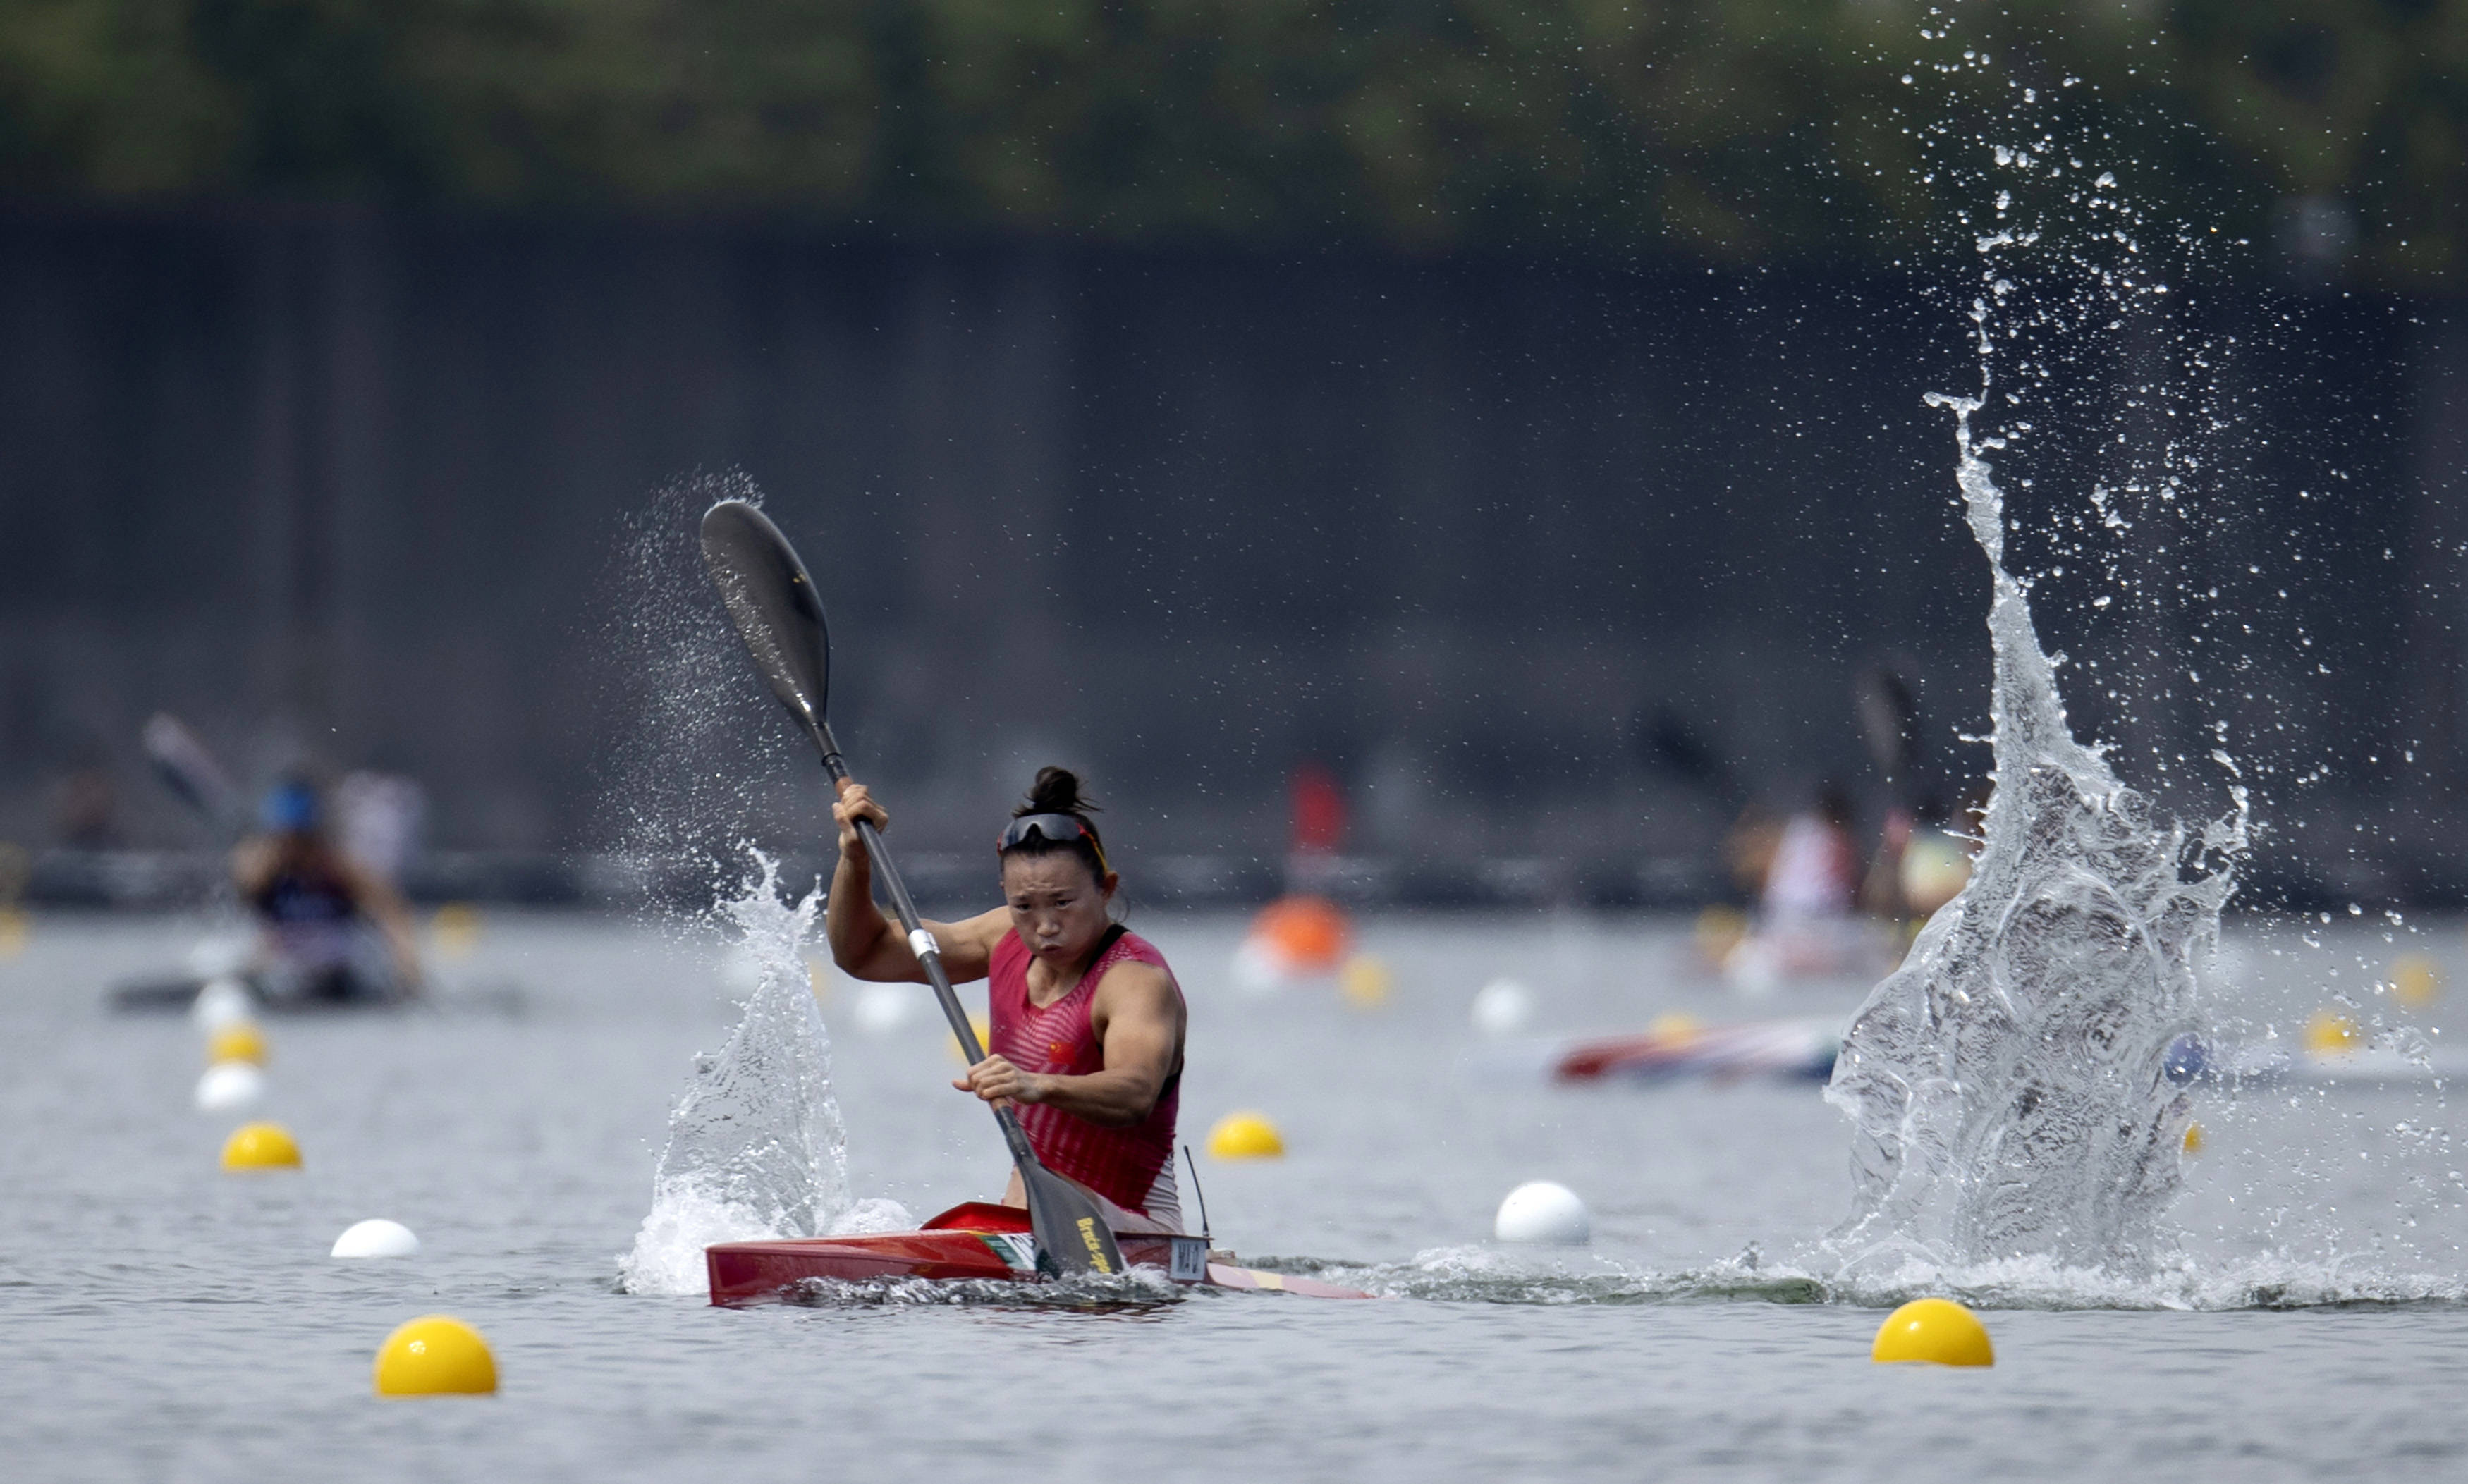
<point>1732,130</point>
<point>1513,408</point>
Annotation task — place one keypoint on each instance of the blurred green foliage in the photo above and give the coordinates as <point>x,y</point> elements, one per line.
<point>1728,129</point>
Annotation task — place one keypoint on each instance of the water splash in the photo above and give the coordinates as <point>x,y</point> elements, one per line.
<point>701,763</point>
<point>1483,1275</point>
<point>2017,1087</point>
<point>756,1148</point>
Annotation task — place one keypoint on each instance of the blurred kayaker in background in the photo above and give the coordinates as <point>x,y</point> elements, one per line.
<point>377,821</point>
<point>1815,874</point>
<point>1805,923</point>
<point>1087,1020</point>
<point>331,931</point>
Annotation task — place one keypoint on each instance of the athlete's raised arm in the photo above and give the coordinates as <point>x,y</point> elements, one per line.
<point>865,942</point>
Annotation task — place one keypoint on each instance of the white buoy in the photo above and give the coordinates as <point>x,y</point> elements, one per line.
<point>377,1236</point>
<point>221,955</point>
<point>881,1009</point>
<point>230,1085</point>
<point>1543,1211</point>
<point>1256,970</point>
<point>223,1001</point>
<point>1502,1007</point>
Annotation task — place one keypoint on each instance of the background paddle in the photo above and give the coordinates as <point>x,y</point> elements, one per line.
<point>1889,724</point>
<point>191,772</point>
<point>780,615</point>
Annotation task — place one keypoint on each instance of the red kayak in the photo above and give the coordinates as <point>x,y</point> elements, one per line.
<point>975,1240</point>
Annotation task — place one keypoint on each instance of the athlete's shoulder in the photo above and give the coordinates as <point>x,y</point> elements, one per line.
<point>1133,965</point>
<point>1131,946</point>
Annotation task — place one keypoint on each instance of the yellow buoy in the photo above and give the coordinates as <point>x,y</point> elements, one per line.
<point>1935,1330</point>
<point>435,1355</point>
<point>239,1041</point>
<point>1245,1135</point>
<point>2193,1138</point>
<point>2331,1034</point>
<point>260,1147</point>
<point>1363,982</point>
<point>1675,1025</point>
<point>456,927</point>
<point>2415,982</point>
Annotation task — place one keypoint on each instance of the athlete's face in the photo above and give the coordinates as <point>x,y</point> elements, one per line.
<point>1057,906</point>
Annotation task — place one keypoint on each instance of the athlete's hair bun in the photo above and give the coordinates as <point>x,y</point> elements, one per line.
<point>1056,791</point>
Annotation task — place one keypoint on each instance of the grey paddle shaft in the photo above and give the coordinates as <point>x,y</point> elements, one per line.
<point>906,907</point>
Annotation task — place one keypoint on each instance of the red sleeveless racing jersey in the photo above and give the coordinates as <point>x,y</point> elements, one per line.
<point>1123,1165</point>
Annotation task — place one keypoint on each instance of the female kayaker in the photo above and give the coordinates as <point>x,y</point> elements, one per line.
<point>1087,1020</point>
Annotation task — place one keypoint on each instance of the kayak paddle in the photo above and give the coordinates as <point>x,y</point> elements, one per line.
<point>1889,724</point>
<point>192,773</point>
<point>780,616</point>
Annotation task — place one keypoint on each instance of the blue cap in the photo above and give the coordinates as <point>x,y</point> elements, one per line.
<point>288,807</point>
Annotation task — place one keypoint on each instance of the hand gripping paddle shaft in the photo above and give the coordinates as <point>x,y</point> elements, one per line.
<point>778,612</point>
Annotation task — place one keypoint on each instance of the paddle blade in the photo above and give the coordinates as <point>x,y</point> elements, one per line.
<point>1072,1235</point>
<point>774,605</point>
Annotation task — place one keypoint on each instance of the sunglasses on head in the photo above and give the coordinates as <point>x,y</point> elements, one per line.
<point>1058,829</point>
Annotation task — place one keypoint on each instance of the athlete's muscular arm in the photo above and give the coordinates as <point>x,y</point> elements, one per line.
<point>1138,1020</point>
<point>865,942</point>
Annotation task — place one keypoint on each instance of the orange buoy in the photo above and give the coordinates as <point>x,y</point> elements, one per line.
<point>1306,934</point>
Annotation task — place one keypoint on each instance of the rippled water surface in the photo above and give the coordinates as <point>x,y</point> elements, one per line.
<point>166,1321</point>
